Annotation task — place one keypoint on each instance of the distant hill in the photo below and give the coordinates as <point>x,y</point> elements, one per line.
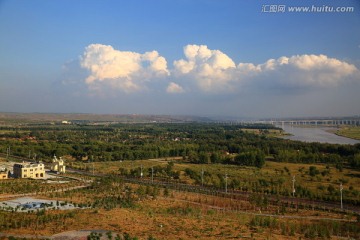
<point>86,117</point>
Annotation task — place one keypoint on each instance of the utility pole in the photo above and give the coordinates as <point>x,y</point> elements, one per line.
<point>8,152</point>
<point>93,166</point>
<point>226,178</point>
<point>341,189</point>
<point>29,154</point>
<point>293,186</point>
<point>202,176</point>
<point>152,174</point>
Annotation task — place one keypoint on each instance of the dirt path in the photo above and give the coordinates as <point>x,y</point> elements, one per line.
<point>3,196</point>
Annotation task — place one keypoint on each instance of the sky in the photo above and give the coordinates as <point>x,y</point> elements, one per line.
<point>215,58</point>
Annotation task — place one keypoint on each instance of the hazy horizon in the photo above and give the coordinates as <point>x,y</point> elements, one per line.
<point>204,58</point>
<point>114,117</point>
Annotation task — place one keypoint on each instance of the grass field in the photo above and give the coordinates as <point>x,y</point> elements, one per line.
<point>326,182</point>
<point>350,132</point>
<point>268,132</point>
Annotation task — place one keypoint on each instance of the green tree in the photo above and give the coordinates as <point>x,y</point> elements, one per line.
<point>313,171</point>
<point>204,158</point>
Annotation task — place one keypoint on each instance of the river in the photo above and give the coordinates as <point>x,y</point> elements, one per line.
<point>315,134</point>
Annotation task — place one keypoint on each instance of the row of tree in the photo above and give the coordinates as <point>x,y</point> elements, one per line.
<point>199,143</point>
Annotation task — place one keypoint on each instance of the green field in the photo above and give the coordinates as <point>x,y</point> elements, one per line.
<point>350,132</point>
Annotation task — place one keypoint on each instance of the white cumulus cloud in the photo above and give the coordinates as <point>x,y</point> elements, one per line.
<point>158,63</point>
<point>211,69</point>
<point>174,88</point>
<point>122,70</point>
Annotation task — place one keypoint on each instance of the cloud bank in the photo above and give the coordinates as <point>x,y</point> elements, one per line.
<point>208,71</point>
<point>300,71</point>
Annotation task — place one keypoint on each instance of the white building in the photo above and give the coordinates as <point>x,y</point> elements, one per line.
<point>57,165</point>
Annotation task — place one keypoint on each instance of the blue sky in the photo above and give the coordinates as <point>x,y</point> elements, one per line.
<point>202,57</point>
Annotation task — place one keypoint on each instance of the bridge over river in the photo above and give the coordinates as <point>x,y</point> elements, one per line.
<point>306,121</point>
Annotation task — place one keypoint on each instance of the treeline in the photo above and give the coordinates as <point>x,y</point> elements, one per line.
<point>195,142</point>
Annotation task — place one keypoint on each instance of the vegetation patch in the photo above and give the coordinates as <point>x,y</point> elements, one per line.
<point>349,132</point>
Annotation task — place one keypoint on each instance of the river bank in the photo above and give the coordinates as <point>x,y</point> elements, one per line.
<point>316,134</point>
<point>352,132</point>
